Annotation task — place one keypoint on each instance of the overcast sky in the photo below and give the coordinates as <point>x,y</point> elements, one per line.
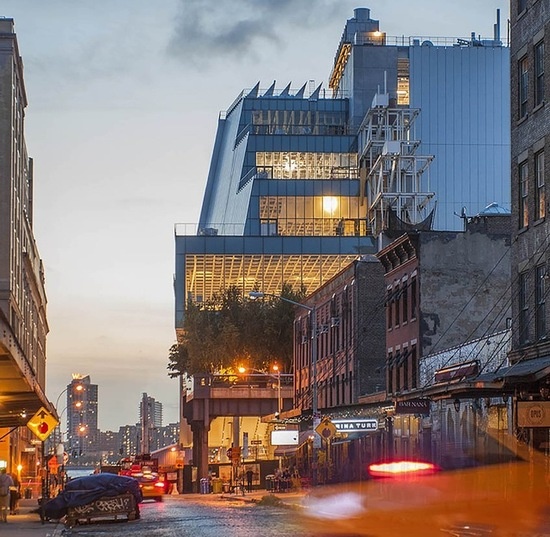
<point>124,97</point>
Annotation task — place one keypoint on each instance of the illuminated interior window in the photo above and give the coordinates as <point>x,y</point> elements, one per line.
<point>207,274</point>
<point>311,216</point>
<point>298,165</point>
<point>403,96</point>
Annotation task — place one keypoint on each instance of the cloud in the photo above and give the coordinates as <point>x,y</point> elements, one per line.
<point>210,31</point>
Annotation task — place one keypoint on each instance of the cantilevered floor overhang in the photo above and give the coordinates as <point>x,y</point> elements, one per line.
<point>207,264</point>
<point>21,394</point>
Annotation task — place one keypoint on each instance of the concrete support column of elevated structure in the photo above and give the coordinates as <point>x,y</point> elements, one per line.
<point>215,396</point>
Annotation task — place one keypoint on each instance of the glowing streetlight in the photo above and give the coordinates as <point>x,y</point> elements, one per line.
<point>279,402</point>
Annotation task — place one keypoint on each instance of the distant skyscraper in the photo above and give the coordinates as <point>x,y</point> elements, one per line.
<point>150,418</point>
<point>150,408</point>
<point>82,431</point>
<point>129,438</point>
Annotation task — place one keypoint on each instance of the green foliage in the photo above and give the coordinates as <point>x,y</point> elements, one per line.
<point>232,331</point>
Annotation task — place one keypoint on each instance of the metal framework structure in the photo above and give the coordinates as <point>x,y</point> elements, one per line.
<point>392,173</point>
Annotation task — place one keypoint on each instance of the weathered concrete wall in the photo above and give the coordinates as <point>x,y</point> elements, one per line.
<point>464,287</point>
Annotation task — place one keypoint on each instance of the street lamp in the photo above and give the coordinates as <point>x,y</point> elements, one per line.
<point>277,369</point>
<point>314,406</point>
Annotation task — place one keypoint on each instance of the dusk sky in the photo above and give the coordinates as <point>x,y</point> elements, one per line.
<point>124,98</point>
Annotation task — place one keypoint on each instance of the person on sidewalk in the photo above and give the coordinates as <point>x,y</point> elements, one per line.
<point>15,495</point>
<point>249,477</point>
<point>5,483</point>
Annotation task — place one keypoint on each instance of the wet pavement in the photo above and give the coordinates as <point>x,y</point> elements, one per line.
<point>185,514</point>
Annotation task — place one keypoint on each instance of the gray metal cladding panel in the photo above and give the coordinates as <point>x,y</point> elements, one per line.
<point>301,187</point>
<point>320,144</point>
<point>464,97</point>
<point>302,245</point>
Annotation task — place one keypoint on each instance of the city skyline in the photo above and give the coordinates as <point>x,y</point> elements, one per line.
<point>121,137</point>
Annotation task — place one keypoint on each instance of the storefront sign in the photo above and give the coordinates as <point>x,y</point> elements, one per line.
<point>534,414</point>
<point>354,426</point>
<point>284,438</point>
<point>414,406</point>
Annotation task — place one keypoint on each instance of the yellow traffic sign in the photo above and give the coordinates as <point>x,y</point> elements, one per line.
<point>326,429</point>
<point>42,424</point>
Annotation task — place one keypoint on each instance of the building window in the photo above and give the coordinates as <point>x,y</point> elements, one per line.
<point>523,294</point>
<point>311,216</point>
<point>405,302</point>
<point>389,308</point>
<point>413,298</point>
<point>522,5</point>
<point>539,73</point>
<point>390,373</point>
<point>523,191</point>
<point>403,90</point>
<point>540,312</point>
<point>397,299</point>
<point>397,361</point>
<point>414,368</point>
<point>405,369</point>
<point>307,165</point>
<point>540,191</point>
<point>523,86</point>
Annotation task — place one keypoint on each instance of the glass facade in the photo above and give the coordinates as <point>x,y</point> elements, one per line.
<point>315,216</point>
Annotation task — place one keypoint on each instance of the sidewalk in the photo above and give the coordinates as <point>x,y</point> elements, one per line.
<point>27,524</point>
<point>292,498</point>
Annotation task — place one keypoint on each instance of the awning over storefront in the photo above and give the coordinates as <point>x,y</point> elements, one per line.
<point>495,383</point>
<point>522,371</point>
<point>350,437</point>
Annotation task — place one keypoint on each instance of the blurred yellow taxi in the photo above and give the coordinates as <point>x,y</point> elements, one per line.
<point>416,498</point>
<point>152,487</point>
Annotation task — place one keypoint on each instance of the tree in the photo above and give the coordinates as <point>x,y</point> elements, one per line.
<point>231,330</point>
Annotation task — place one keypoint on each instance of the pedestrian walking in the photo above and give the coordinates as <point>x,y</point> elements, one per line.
<point>249,477</point>
<point>15,495</point>
<point>5,483</point>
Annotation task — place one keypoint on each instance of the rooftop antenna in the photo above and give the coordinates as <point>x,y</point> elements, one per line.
<point>497,27</point>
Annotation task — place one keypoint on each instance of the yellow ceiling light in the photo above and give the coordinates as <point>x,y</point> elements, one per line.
<point>330,204</point>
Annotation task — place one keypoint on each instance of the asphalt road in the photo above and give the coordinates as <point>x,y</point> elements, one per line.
<point>197,516</point>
